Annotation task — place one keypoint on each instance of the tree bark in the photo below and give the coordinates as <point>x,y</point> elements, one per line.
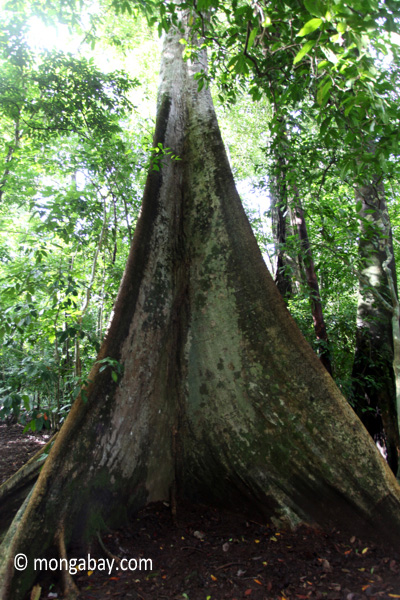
<point>279,211</point>
<point>221,399</point>
<point>10,154</point>
<point>374,386</point>
<point>313,286</point>
<point>285,265</point>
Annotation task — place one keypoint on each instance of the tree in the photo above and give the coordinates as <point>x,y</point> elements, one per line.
<point>219,397</point>
<point>374,383</point>
<point>283,277</point>
<point>312,282</point>
<point>68,180</point>
<point>286,184</point>
<point>313,59</point>
<point>279,210</point>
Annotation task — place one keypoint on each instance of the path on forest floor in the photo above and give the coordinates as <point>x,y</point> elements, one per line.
<point>17,447</point>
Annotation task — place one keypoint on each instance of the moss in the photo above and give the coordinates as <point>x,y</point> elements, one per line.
<point>157,297</point>
<point>200,301</point>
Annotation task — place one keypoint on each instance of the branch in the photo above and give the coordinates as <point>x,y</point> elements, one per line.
<point>324,174</point>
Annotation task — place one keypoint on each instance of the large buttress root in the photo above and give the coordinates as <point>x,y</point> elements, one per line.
<point>221,398</point>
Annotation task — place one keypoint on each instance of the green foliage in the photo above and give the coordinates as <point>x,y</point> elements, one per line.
<point>70,180</point>
<point>117,369</point>
<point>157,153</point>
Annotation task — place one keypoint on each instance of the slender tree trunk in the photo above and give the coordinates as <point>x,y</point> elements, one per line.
<point>221,399</point>
<point>8,160</point>
<point>285,266</point>
<point>100,313</point>
<point>313,286</point>
<point>374,386</point>
<point>89,288</point>
<point>279,210</point>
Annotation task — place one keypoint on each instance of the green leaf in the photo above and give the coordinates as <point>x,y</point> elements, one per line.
<point>344,170</point>
<point>204,4</point>
<point>252,37</point>
<point>241,65</point>
<point>309,27</point>
<point>232,62</point>
<point>351,103</point>
<point>322,64</point>
<point>383,163</point>
<point>314,7</point>
<point>304,50</point>
<point>358,206</point>
<point>323,92</point>
<point>325,125</point>
<point>25,398</point>
<point>114,375</point>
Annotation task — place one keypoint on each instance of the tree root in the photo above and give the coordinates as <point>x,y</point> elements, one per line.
<point>71,591</point>
<point>107,551</point>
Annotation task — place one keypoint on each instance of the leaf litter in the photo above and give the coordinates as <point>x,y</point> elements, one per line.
<point>214,554</point>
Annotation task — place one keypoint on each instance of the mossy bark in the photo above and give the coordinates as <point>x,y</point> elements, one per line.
<point>374,386</point>
<point>221,399</point>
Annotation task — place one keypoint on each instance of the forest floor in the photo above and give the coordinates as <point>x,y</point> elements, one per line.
<point>211,554</point>
<point>17,447</point>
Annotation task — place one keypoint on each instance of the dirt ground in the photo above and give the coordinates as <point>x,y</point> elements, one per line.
<point>211,554</point>
<point>16,448</point>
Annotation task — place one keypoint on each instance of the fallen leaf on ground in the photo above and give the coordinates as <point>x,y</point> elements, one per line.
<point>35,593</point>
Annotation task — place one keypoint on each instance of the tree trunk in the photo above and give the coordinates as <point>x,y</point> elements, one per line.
<point>279,211</point>
<point>10,154</point>
<point>285,265</point>
<point>221,400</point>
<point>313,286</point>
<point>374,386</point>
